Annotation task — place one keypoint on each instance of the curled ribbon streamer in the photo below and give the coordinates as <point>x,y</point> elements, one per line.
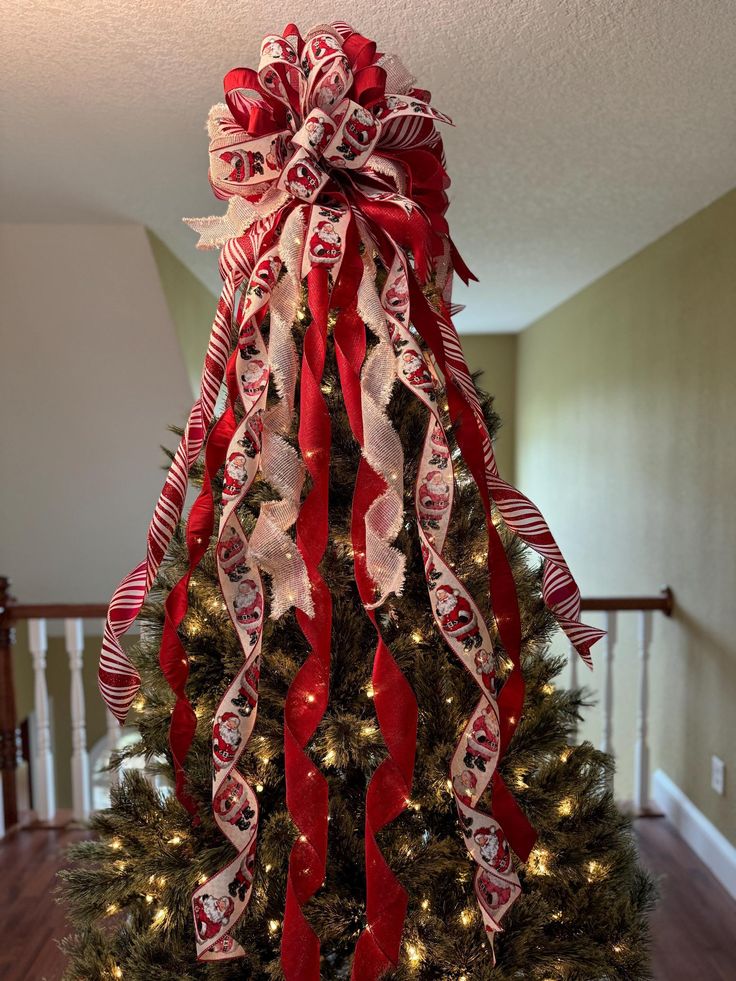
<point>328,143</point>
<point>218,903</point>
<point>366,385</point>
<point>306,699</point>
<point>118,680</point>
<point>459,621</point>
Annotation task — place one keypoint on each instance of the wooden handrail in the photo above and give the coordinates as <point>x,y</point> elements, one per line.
<point>11,613</point>
<point>64,611</point>
<point>608,604</point>
<point>56,611</point>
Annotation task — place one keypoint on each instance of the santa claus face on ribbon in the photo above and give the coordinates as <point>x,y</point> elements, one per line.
<point>360,130</point>
<point>325,244</point>
<point>212,914</point>
<point>303,181</point>
<point>248,604</point>
<point>243,165</point>
<point>319,47</point>
<point>254,377</point>
<point>414,369</point>
<point>236,471</point>
<point>319,129</point>
<point>278,49</point>
<point>493,847</point>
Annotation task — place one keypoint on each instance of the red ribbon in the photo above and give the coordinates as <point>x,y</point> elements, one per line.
<point>389,789</point>
<point>306,699</point>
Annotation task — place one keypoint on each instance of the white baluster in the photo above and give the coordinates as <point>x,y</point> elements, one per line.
<point>641,752</point>
<point>74,630</point>
<point>113,734</point>
<point>609,643</point>
<point>573,661</point>
<point>44,783</point>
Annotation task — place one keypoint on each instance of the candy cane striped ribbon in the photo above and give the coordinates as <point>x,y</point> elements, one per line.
<point>559,589</point>
<point>118,679</point>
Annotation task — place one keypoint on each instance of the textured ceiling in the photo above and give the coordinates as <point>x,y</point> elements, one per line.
<point>584,128</point>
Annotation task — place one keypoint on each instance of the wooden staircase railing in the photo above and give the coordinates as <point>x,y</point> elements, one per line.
<point>73,615</point>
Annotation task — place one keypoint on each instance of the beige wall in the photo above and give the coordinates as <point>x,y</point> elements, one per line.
<point>191,305</point>
<point>91,375</point>
<point>626,438</point>
<point>495,356</point>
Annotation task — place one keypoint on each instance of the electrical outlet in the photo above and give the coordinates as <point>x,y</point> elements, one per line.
<point>718,775</point>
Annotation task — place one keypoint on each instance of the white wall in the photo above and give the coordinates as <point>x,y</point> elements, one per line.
<point>91,374</point>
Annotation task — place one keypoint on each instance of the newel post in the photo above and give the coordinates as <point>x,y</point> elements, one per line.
<point>8,723</point>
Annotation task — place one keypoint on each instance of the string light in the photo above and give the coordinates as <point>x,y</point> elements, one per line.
<point>139,704</point>
<point>159,916</point>
<point>117,972</point>
<point>538,862</point>
<point>149,898</point>
<point>309,698</point>
<point>259,788</point>
<point>112,909</point>
<point>417,637</point>
<point>273,925</point>
<point>414,953</point>
<point>116,844</point>
<point>466,917</point>
<point>565,808</point>
<point>367,731</point>
<point>370,691</point>
<point>596,870</point>
<point>548,688</point>
<point>174,840</point>
<point>202,879</point>
<point>330,756</point>
<point>565,754</point>
<point>425,904</point>
<point>557,916</point>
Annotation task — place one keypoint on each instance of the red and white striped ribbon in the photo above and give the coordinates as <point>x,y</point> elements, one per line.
<point>118,679</point>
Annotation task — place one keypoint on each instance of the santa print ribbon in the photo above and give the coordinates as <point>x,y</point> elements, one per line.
<point>219,902</point>
<point>326,145</point>
<point>474,763</point>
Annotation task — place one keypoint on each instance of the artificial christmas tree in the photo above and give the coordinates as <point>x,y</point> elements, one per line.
<point>363,739</point>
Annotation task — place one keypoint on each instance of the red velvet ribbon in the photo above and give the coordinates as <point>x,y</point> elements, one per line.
<point>389,789</point>
<point>306,700</point>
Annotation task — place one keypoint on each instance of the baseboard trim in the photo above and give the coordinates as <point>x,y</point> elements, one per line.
<point>711,847</point>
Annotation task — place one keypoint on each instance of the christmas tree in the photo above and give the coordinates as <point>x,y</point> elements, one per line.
<point>368,815</point>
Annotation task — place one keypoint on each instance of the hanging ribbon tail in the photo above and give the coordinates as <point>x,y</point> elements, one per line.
<point>366,385</point>
<point>306,699</point>
<point>326,144</point>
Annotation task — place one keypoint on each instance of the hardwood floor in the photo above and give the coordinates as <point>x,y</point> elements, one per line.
<point>31,921</point>
<point>694,927</point>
